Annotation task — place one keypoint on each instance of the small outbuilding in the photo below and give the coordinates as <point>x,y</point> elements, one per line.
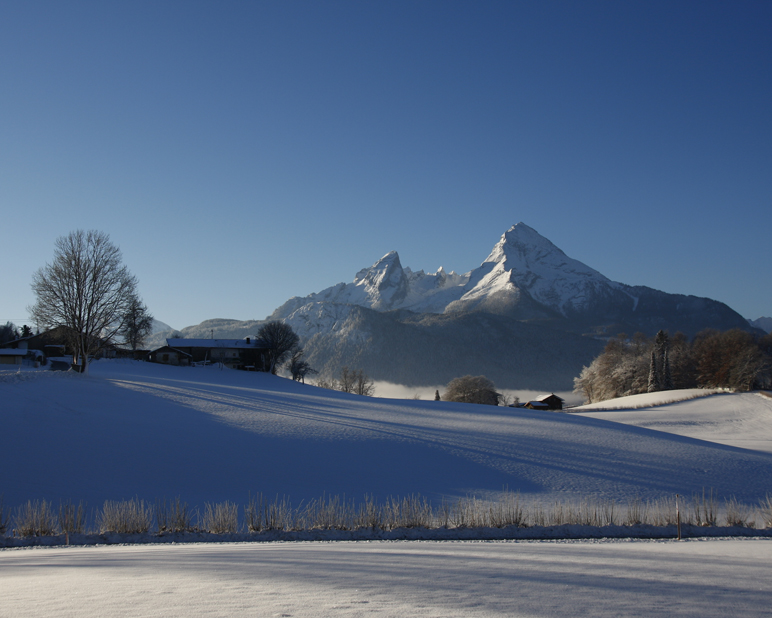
<point>168,355</point>
<point>536,405</point>
<point>552,401</point>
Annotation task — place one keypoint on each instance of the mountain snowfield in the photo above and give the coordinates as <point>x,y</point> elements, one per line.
<point>205,434</point>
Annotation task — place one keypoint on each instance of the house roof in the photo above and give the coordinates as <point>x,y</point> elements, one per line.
<point>170,348</point>
<point>550,396</point>
<point>537,404</point>
<point>211,343</point>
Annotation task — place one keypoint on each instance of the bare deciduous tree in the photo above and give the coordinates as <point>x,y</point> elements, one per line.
<point>353,381</point>
<point>85,289</point>
<point>279,339</point>
<point>298,366</point>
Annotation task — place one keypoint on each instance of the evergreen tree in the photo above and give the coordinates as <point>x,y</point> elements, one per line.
<point>436,395</point>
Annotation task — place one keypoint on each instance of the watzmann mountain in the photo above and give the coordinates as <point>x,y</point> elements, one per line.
<point>528,317</point>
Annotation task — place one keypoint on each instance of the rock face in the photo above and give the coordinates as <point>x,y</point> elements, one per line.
<point>528,317</point>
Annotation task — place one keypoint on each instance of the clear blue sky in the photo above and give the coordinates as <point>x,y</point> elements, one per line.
<point>241,153</point>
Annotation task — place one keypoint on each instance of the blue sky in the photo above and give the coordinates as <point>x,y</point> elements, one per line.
<point>241,153</point>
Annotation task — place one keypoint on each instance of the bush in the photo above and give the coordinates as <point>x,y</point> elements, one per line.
<point>71,518</point>
<point>260,514</point>
<point>766,511</point>
<point>221,518</point>
<point>3,517</point>
<point>35,519</point>
<point>125,517</point>
<point>174,516</point>
<point>738,514</point>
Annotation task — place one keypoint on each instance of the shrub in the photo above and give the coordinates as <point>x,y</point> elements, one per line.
<point>221,518</point>
<point>35,519</point>
<point>71,518</point>
<point>328,513</point>
<point>260,514</point>
<point>3,517</point>
<point>174,516</point>
<point>413,511</point>
<point>125,517</point>
<point>704,507</point>
<point>637,511</point>
<point>766,511</point>
<point>738,514</point>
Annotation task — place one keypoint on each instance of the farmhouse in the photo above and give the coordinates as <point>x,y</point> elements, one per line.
<point>56,342</point>
<point>234,353</point>
<point>547,402</point>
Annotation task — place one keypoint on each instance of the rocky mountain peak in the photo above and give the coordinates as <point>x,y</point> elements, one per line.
<point>385,282</point>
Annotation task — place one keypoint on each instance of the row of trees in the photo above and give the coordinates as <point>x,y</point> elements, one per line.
<point>733,359</point>
<point>9,332</point>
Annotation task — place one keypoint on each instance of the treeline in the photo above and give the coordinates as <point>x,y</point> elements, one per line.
<point>733,359</point>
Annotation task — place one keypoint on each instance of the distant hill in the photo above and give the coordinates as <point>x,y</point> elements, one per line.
<point>764,324</point>
<point>160,327</point>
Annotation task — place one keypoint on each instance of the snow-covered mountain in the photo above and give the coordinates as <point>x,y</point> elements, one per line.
<point>522,262</point>
<point>524,277</point>
<point>528,317</point>
<point>159,327</point>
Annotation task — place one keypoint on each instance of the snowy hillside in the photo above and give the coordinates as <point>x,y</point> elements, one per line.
<point>742,420</point>
<point>206,435</point>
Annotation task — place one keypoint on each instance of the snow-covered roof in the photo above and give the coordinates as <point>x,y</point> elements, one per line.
<point>545,397</point>
<point>211,343</point>
<point>21,352</point>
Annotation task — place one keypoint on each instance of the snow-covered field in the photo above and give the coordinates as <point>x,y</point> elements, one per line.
<point>601,578</point>
<point>210,435</point>
<point>206,435</point>
<point>743,420</point>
